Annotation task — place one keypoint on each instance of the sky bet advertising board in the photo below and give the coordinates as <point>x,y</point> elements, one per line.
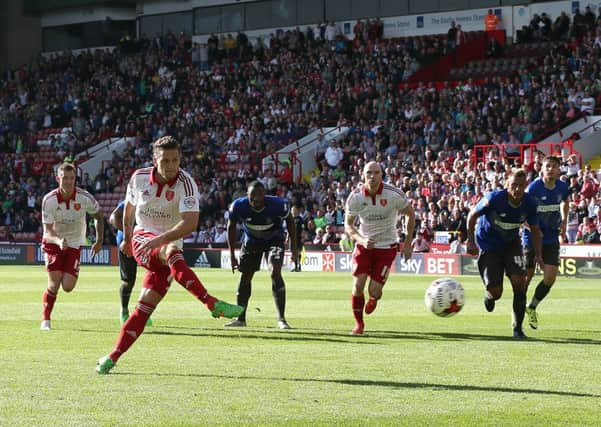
<point>582,261</point>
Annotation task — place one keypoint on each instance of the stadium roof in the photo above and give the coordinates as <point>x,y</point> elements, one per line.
<point>37,7</point>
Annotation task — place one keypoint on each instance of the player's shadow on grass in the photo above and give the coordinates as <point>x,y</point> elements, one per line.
<point>382,383</point>
<point>275,335</point>
<point>238,333</point>
<point>456,387</point>
<point>451,336</point>
<point>476,337</point>
<point>337,336</point>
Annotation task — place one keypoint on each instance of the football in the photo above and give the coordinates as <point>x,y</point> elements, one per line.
<point>445,297</point>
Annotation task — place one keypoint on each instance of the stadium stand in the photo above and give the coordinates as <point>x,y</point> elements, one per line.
<point>246,100</point>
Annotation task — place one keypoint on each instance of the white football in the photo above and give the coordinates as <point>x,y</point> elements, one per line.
<point>445,297</point>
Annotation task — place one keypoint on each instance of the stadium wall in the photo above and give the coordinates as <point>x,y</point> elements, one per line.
<point>80,16</point>
<point>20,35</point>
<point>576,260</point>
<point>513,18</point>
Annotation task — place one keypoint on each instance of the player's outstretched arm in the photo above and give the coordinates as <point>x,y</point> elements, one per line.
<point>99,226</point>
<point>409,213</point>
<point>565,208</point>
<point>116,218</point>
<point>231,242</point>
<point>537,242</point>
<point>128,228</point>
<point>472,218</point>
<point>291,227</point>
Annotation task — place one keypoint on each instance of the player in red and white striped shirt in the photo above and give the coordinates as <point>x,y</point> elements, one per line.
<point>165,203</point>
<point>377,205</point>
<point>64,217</point>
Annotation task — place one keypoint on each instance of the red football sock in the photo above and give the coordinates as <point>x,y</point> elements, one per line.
<point>357,302</point>
<point>48,298</point>
<point>131,329</point>
<point>186,277</point>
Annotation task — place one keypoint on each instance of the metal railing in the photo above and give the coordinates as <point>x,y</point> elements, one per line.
<point>524,153</point>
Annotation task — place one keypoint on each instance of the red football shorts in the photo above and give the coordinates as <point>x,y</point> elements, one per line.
<point>158,275</point>
<point>66,261</point>
<point>373,262</point>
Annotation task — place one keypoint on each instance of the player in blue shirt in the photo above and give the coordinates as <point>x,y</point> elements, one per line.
<point>262,218</point>
<point>499,216</point>
<point>127,265</point>
<point>552,196</point>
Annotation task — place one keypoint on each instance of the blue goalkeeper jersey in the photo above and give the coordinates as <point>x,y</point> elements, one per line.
<point>499,223</point>
<point>264,226</point>
<point>549,210</point>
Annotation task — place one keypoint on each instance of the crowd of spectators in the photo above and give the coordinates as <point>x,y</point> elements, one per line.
<point>542,27</point>
<point>230,102</point>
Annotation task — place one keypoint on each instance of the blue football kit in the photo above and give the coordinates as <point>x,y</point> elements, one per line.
<point>264,226</point>
<point>549,210</point>
<point>500,221</point>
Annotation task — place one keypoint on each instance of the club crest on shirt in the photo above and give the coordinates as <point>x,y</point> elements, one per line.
<point>383,202</point>
<point>189,202</point>
<point>77,206</point>
<point>169,194</point>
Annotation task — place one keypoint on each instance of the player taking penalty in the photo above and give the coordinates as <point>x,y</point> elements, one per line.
<point>165,204</point>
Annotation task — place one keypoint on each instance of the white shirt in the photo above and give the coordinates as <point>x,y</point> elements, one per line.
<point>220,236</point>
<point>330,32</point>
<point>159,206</point>
<point>334,155</point>
<point>587,104</point>
<point>378,214</point>
<point>69,216</point>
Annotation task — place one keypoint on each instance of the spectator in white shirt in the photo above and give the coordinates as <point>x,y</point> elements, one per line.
<point>587,104</point>
<point>420,243</point>
<point>318,236</point>
<point>220,234</point>
<point>331,31</point>
<point>334,154</point>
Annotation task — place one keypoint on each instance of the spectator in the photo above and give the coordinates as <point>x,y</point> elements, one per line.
<point>589,233</point>
<point>320,220</point>
<point>572,224</point>
<point>420,243</point>
<point>334,154</point>
<point>587,103</point>
<point>590,185</point>
<point>329,237</point>
<point>491,21</point>
<point>452,35</point>
<point>220,234</point>
<point>319,235</point>
<point>285,175</point>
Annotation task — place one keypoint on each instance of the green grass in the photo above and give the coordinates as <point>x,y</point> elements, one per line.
<point>411,368</point>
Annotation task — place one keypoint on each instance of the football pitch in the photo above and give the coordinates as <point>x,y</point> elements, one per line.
<point>411,368</point>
